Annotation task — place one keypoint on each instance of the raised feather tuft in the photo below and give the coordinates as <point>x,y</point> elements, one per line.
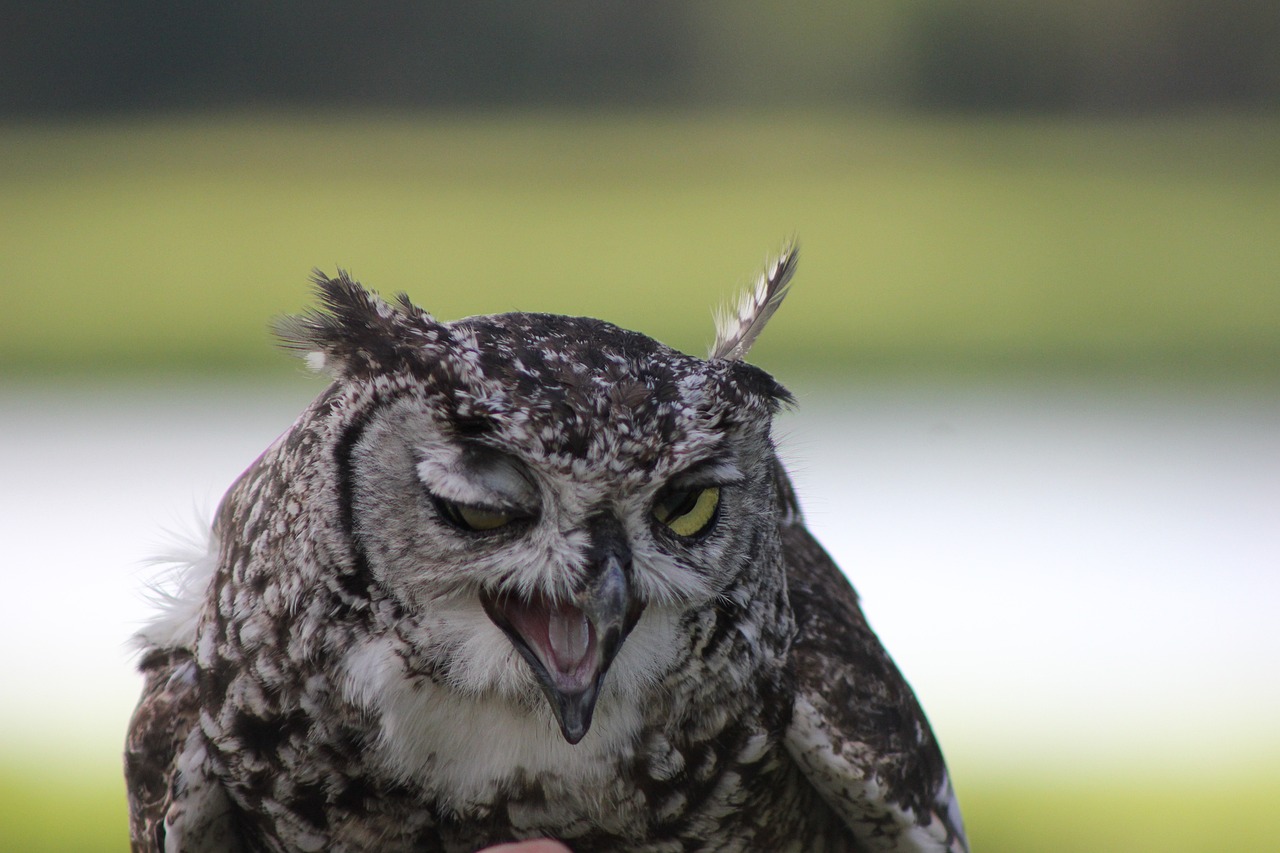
<point>737,327</point>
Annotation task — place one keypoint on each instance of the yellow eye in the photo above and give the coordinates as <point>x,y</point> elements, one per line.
<point>688,512</point>
<point>473,518</point>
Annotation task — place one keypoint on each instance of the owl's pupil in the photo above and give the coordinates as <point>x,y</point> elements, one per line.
<point>688,512</point>
<point>679,503</point>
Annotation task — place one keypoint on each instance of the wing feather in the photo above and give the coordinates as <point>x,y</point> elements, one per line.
<point>164,718</point>
<point>174,801</point>
<point>857,731</point>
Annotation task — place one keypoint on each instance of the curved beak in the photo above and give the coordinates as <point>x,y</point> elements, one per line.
<point>571,644</point>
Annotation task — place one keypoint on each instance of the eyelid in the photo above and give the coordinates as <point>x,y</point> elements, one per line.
<point>480,480</point>
<point>706,475</point>
<point>496,509</point>
<point>465,495</point>
<point>497,472</point>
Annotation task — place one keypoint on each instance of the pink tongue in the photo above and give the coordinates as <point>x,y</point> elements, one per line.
<point>560,634</point>
<point>569,635</point>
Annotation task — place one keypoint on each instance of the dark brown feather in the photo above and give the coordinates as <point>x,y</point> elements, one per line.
<point>165,715</point>
<point>841,668</point>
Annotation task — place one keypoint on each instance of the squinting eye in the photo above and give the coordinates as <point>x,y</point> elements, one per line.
<point>688,512</point>
<point>473,518</point>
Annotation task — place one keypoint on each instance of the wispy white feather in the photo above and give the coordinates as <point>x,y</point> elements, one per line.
<point>180,588</point>
<point>737,327</point>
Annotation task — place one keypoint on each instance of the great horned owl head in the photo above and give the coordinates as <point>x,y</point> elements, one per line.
<point>551,485</point>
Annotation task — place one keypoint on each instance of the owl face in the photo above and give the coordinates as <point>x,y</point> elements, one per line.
<point>550,490</point>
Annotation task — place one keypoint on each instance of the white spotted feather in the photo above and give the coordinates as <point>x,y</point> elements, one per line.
<point>737,327</point>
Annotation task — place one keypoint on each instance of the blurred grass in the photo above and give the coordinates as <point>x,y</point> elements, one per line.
<point>62,806</point>
<point>1122,814</point>
<point>931,244</point>
<point>59,807</point>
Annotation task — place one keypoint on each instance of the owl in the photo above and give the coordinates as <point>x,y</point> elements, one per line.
<point>524,576</point>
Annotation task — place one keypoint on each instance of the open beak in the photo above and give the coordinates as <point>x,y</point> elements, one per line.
<point>570,644</point>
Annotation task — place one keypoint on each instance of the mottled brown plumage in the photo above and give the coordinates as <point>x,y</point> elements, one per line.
<point>524,576</point>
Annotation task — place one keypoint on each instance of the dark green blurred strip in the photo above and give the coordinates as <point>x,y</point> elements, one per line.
<point>930,245</point>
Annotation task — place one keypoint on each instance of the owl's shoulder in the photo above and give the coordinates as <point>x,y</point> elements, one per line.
<point>857,731</point>
<point>158,731</point>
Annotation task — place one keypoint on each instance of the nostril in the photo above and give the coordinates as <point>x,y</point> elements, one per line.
<point>607,543</point>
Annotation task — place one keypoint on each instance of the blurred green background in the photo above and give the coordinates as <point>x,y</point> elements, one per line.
<point>930,243</point>
<point>980,186</point>
<point>982,190</point>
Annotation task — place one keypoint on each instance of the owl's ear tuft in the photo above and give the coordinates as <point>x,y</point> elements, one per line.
<point>763,385</point>
<point>356,331</point>
<point>738,325</point>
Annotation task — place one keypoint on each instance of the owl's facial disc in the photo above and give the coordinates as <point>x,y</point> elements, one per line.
<point>570,644</point>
